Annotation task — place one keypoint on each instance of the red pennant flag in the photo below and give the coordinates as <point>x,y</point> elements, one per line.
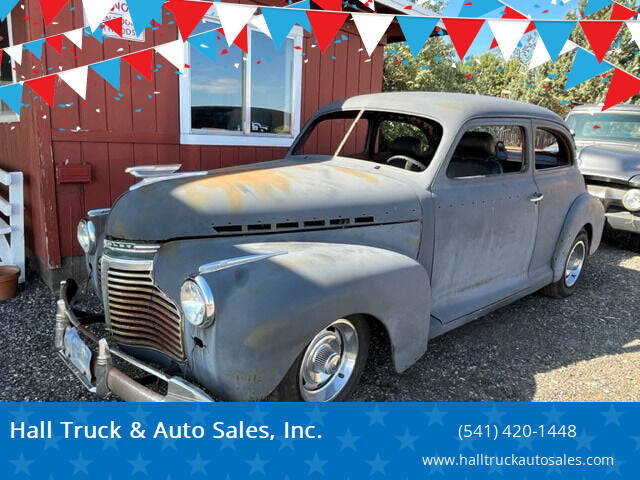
<point>55,42</point>
<point>335,5</point>
<point>51,8</point>
<point>325,25</point>
<point>623,86</point>
<point>511,13</point>
<point>620,12</point>
<point>115,24</point>
<point>45,87</point>
<point>188,14</point>
<point>462,32</point>
<point>600,35</point>
<point>241,40</point>
<point>142,61</point>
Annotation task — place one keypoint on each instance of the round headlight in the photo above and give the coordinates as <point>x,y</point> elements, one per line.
<point>197,302</point>
<point>87,236</point>
<point>631,200</point>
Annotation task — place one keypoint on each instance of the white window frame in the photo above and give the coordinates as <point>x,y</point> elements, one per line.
<point>189,136</point>
<point>10,116</point>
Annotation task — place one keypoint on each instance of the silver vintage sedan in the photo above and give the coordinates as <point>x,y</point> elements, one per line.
<point>416,211</point>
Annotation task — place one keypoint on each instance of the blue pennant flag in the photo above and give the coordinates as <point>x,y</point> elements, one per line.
<point>205,43</point>
<point>417,31</point>
<point>97,34</point>
<point>35,47</point>
<point>143,11</point>
<point>110,71</point>
<point>554,35</point>
<point>12,96</point>
<point>5,8</point>
<point>280,22</point>
<point>585,66</point>
<point>304,20</point>
<point>478,8</point>
<point>594,5</point>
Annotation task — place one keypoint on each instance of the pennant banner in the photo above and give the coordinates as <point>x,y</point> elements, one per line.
<point>77,80</point>
<point>325,26</point>
<point>51,8</point>
<point>110,71</point>
<point>45,87</point>
<point>600,36</point>
<point>280,22</point>
<point>554,35</point>
<point>462,32</point>
<point>142,62</point>
<point>35,48</point>
<point>371,28</point>
<point>143,11</point>
<point>623,86</point>
<point>594,5</point>
<point>188,14</point>
<point>540,55</point>
<point>417,31</point>
<point>5,8</point>
<point>12,96</point>
<point>585,66</point>
<point>75,36</point>
<point>233,18</point>
<point>508,34</point>
<point>174,53</point>
<point>95,11</point>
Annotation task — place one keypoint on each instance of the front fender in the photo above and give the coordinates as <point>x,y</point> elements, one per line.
<point>585,210</point>
<point>268,311</point>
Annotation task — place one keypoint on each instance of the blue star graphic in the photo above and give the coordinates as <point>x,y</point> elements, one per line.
<point>257,464</point>
<point>584,440</point>
<point>21,415</point>
<point>525,442</point>
<point>615,468</point>
<point>80,464</point>
<point>348,440</point>
<point>198,416</point>
<point>612,416</point>
<point>407,440</point>
<point>80,415</point>
<point>286,443</point>
<point>376,416</point>
<point>257,415</point>
<point>316,465</point>
<point>436,468</point>
<point>169,443</point>
<point>108,443</point>
<point>21,465</point>
<point>316,416</point>
<point>139,415</point>
<point>637,440</point>
<point>435,415</point>
<point>198,465</point>
<point>139,465</point>
<point>227,443</point>
<point>377,465</point>
<point>494,415</point>
<point>494,468</point>
<point>466,442</point>
<point>553,416</point>
<point>51,443</point>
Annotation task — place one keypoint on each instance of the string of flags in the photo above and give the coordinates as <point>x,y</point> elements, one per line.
<point>277,23</point>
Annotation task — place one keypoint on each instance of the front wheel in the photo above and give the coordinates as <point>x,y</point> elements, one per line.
<point>329,368</point>
<point>573,266</point>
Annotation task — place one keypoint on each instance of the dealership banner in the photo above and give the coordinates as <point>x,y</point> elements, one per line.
<point>350,440</point>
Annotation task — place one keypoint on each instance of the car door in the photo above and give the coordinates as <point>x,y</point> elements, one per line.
<point>485,221</point>
<point>559,182</point>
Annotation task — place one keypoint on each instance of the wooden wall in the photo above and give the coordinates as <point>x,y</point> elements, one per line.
<point>113,136</point>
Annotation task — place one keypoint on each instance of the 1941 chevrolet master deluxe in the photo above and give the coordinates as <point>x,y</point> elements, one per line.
<point>418,211</point>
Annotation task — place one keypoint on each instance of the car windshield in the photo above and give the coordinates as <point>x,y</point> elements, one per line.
<point>403,141</point>
<point>617,127</point>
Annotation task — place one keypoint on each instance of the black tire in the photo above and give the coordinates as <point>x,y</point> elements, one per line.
<point>289,388</point>
<point>561,289</point>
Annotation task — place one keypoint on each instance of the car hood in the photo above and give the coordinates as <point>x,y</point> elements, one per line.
<point>609,161</point>
<point>263,198</point>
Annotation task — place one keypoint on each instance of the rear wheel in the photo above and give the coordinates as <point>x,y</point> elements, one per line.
<point>329,368</point>
<point>573,266</point>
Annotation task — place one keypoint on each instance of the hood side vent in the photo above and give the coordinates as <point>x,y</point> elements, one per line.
<point>291,226</point>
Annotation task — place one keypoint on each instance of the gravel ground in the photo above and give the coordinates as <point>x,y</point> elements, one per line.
<point>585,348</point>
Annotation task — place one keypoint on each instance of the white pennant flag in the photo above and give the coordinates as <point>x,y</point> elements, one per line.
<point>233,18</point>
<point>95,11</point>
<point>634,28</point>
<point>174,53</point>
<point>508,33</point>
<point>371,28</point>
<point>540,54</point>
<point>77,80</point>
<point>260,23</point>
<point>15,53</point>
<point>369,4</point>
<point>75,36</point>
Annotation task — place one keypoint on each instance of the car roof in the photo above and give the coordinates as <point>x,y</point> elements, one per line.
<point>447,108</point>
<point>624,107</point>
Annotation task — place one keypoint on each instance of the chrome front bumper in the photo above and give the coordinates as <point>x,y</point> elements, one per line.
<point>612,197</point>
<point>106,378</point>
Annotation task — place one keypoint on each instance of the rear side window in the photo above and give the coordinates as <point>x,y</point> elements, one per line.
<point>552,150</point>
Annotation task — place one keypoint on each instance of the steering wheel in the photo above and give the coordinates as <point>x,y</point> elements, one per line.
<point>409,162</point>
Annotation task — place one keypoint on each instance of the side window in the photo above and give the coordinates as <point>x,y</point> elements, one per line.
<point>392,133</point>
<point>552,150</point>
<point>489,150</point>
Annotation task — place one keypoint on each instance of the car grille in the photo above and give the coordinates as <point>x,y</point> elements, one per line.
<point>138,312</point>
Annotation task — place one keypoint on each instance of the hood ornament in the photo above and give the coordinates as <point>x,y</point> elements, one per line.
<point>157,173</point>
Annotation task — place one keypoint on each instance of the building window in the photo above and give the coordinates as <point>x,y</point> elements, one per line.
<point>242,99</point>
<point>7,74</point>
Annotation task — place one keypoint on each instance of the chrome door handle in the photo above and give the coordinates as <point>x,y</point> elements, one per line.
<point>536,198</point>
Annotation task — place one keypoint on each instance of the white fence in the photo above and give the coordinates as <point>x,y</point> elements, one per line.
<point>12,233</point>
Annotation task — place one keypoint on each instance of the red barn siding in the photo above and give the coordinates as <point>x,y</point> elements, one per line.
<point>113,136</point>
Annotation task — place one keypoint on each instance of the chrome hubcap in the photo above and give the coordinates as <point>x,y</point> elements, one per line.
<point>328,362</point>
<point>575,263</point>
